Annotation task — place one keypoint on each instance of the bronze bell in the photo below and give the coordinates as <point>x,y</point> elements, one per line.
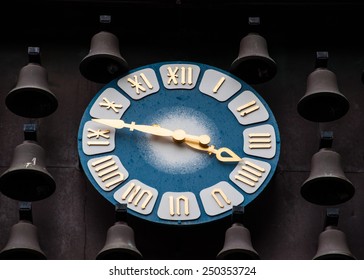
<point>327,183</point>
<point>31,97</point>
<point>27,178</point>
<point>322,102</point>
<point>23,243</point>
<point>103,62</point>
<point>253,64</point>
<point>120,244</point>
<point>332,245</point>
<point>238,244</point>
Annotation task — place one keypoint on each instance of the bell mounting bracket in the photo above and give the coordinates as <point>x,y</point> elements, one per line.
<point>326,139</point>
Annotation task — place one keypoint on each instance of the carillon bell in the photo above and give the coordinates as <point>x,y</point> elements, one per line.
<point>23,243</point>
<point>322,102</point>
<point>104,62</point>
<point>32,97</point>
<point>27,178</point>
<point>327,183</point>
<point>253,64</point>
<point>120,244</point>
<point>238,244</point>
<point>332,245</point>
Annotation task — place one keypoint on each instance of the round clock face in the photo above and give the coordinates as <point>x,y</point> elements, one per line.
<point>180,143</point>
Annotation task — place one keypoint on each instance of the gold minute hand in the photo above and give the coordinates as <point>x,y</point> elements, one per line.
<point>220,153</point>
<point>178,135</point>
<point>154,130</point>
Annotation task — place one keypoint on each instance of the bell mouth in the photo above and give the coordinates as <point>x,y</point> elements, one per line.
<point>27,185</point>
<point>254,69</point>
<point>238,255</point>
<point>102,68</point>
<point>335,256</point>
<point>327,190</point>
<point>118,254</point>
<point>22,254</point>
<point>323,106</point>
<point>31,102</point>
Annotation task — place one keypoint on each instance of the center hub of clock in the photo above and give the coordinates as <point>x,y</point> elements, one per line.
<point>175,157</point>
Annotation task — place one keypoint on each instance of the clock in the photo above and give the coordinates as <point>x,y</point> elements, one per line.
<point>179,142</point>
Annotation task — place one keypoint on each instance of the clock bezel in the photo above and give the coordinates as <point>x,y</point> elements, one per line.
<point>203,218</point>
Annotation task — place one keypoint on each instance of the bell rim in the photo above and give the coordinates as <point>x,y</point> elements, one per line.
<point>253,254</point>
<point>19,91</point>
<point>4,188</point>
<point>94,56</point>
<point>332,255</point>
<point>5,253</point>
<point>269,62</point>
<point>311,188</point>
<point>105,251</point>
<point>90,59</point>
<point>305,106</point>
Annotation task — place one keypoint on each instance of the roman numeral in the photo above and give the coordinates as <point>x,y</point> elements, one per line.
<point>97,134</point>
<point>260,140</point>
<point>178,207</point>
<point>107,169</point>
<point>140,85</point>
<point>214,194</point>
<point>249,173</point>
<point>218,85</point>
<point>177,210</point>
<point>135,194</point>
<point>248,108</point>
<point>110,105</point>
<point>180,74</point>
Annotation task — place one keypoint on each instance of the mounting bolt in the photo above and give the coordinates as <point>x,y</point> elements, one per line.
<point>121,211</point>
<point>34,55</point>
<point>25,211</point>
<point>254,24</point>
<point>332,217</point>
<point>326,139</point>
<point>30,131</point>
<point>322,58</point>
<point>237,214</point>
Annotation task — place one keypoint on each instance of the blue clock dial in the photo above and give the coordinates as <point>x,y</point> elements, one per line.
<point>180,142</point>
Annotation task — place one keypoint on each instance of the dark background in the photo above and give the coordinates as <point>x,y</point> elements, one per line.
<point>72,222</point>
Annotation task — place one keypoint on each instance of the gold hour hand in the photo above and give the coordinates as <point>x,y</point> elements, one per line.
<point>180,136</point>
<point>222,154</point>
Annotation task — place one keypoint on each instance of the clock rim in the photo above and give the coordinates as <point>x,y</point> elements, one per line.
<point>204,67</point>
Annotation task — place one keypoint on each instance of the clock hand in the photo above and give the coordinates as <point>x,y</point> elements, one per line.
<point>154,130</point>
<point>232,157</point>
<point>178,135</point>
<point>197,142</point>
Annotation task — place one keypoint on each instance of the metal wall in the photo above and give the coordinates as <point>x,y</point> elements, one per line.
<point>72,223</point>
